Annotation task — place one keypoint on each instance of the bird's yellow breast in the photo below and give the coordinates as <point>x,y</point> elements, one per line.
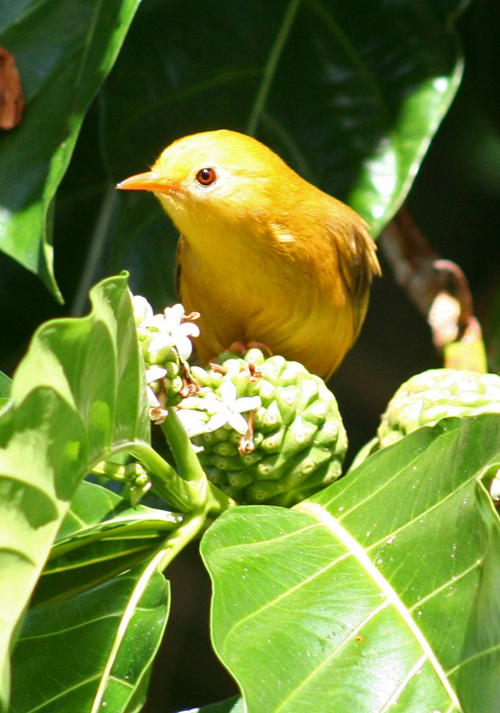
<point>258,280</point>
<point>264,255</point>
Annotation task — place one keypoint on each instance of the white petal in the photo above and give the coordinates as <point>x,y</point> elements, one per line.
<point>217,421</point>
<point>160,341</point>
<point>247,403</point>
<point>155,372</point>
<point>192,421</point>
<point>196,402</point>
<point>227,392</point>
<point>158,414</point>
<point>189,329</point>
<point>152,400</point>
<point>173,316</point>
<point>157,321</point>
<point>237,422</point>
<point>495,487</point>
<point>184,347</point>
<point>142,308</point>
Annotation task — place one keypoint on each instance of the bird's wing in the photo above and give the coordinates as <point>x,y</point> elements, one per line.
<point>363,267</point>
<point>364,260</point>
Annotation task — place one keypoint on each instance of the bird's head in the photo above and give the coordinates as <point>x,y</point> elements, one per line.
<point>215,175</point>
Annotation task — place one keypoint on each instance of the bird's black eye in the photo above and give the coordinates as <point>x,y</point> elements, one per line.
<point>206,176</point>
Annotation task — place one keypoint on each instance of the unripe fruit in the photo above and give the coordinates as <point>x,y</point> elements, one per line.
<point>428,397</point>
<point>296,440</point>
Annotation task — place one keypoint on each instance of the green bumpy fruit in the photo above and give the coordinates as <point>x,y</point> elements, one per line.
<point>435,394</point>
<point>298,443</point>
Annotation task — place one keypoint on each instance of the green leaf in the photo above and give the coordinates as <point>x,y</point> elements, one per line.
<point>77,394</point>
<point>63,50</point>
<point>5,383</point>
<point>93,651</point>
<point>101,536</point>
<point>382,589</point>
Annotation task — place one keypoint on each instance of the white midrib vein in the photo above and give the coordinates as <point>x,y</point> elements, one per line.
<point>123,627</point>
<point>358,552</point>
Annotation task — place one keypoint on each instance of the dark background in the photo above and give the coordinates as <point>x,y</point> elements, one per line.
<point>455,202</point>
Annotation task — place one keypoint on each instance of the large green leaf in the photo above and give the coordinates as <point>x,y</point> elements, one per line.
<point>100,536</point>
<point>93,651</point>
<point>379,593</point>
<point>77,394</point>
<point>63,49</point>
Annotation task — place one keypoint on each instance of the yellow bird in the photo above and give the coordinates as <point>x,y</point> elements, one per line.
<point>263,255</point>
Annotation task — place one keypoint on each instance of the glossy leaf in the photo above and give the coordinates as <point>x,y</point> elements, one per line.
<point>78,392</point>
<point>63,50</point>
<point>93,651</point>
<point>100,536</point>
<point>380,592</point>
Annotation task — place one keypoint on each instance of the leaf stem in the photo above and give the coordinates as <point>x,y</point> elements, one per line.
<point>185,458</point>
<point>218,501</point>
<point>177,491</point>
<point>213,500</point>
<point>271,64</point>
<point>181,537</point>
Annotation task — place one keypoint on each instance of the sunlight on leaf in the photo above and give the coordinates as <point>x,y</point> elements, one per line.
<point>100,536</point>
<point>386,577</point>
<point>93,650</point>
<point>79,390</point>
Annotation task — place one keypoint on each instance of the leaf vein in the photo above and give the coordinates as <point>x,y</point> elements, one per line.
<point>333,653</point>
<point>473,657</point>
<point>239,623</point>
<point>364,560</point>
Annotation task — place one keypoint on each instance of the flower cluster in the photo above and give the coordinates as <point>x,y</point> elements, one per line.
<point>166,346</point>
<point>215,409</point>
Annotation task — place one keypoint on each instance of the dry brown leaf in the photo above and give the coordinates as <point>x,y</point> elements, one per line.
<point>11,91</point>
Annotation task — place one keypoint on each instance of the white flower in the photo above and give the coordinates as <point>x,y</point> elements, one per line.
<point>154,373</point>
<point>168,330</point>
<point>495,487</point>
<point>157,412</point>
<point>195,422</point>
<point>142,309</point>
<point>226,409</point>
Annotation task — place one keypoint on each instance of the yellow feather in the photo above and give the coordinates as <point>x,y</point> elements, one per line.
<point>264,255</point>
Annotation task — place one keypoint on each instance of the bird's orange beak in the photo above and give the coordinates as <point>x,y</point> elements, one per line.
<point>148,181</point>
